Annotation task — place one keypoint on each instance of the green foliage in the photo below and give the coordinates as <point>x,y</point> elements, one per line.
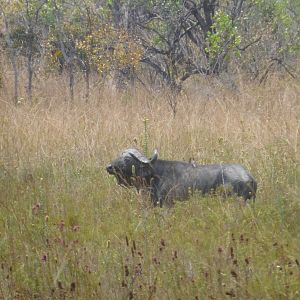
<point>283,18</point>
<point>223,36</point>
<point>22,40</point>
<point>25,25</point>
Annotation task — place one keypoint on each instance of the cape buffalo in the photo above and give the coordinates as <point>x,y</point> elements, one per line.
<point>167,180</point>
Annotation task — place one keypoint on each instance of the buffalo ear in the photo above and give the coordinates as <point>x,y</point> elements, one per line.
<point>154,157</point>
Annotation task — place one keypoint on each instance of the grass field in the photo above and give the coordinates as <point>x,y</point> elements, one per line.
<point>68,231</point>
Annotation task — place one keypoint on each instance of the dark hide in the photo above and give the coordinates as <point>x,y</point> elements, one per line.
<point>168,180</point>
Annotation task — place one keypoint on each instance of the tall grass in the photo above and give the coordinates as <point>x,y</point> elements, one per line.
<point>68,231</point>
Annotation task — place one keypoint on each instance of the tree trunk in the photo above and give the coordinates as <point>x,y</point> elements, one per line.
<point>30,74</point>
<point>116,12</point>
<point>71,80</point>
<point>16,76</point>
<point>87,84</point>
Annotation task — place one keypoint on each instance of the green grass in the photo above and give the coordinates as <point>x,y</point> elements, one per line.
<point>68,231</point>
<point>74,237</point>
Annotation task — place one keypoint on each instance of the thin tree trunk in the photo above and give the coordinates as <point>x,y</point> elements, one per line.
<point>116,12</point>
<point>30,75</point>
<point>71,81</point>
<point>87,84</point>
<point>16,76</point>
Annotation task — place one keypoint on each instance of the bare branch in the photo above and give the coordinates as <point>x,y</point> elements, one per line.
<point>157,68</point>
<point>250,44</point>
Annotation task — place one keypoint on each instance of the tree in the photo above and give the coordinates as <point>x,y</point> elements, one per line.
<point>167,41</point>
<point>7,13</point>
<point>24,34</point>
<point>276,27</point>
<point>110,49</point>
<point>183,38</point>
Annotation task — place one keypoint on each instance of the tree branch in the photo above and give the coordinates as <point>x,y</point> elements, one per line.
<point>250,44</point>
<point>157,68</point>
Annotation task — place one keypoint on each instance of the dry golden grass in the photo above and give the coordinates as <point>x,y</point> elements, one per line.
<point>68,231</point>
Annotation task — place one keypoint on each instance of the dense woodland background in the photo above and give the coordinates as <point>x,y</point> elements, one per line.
<point>212,81</point>
<point>153,43</point>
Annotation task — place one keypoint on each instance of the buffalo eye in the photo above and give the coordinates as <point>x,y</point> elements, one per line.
<point>110,169</point>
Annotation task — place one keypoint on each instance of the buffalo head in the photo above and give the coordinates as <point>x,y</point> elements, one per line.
<point>132,168</point>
